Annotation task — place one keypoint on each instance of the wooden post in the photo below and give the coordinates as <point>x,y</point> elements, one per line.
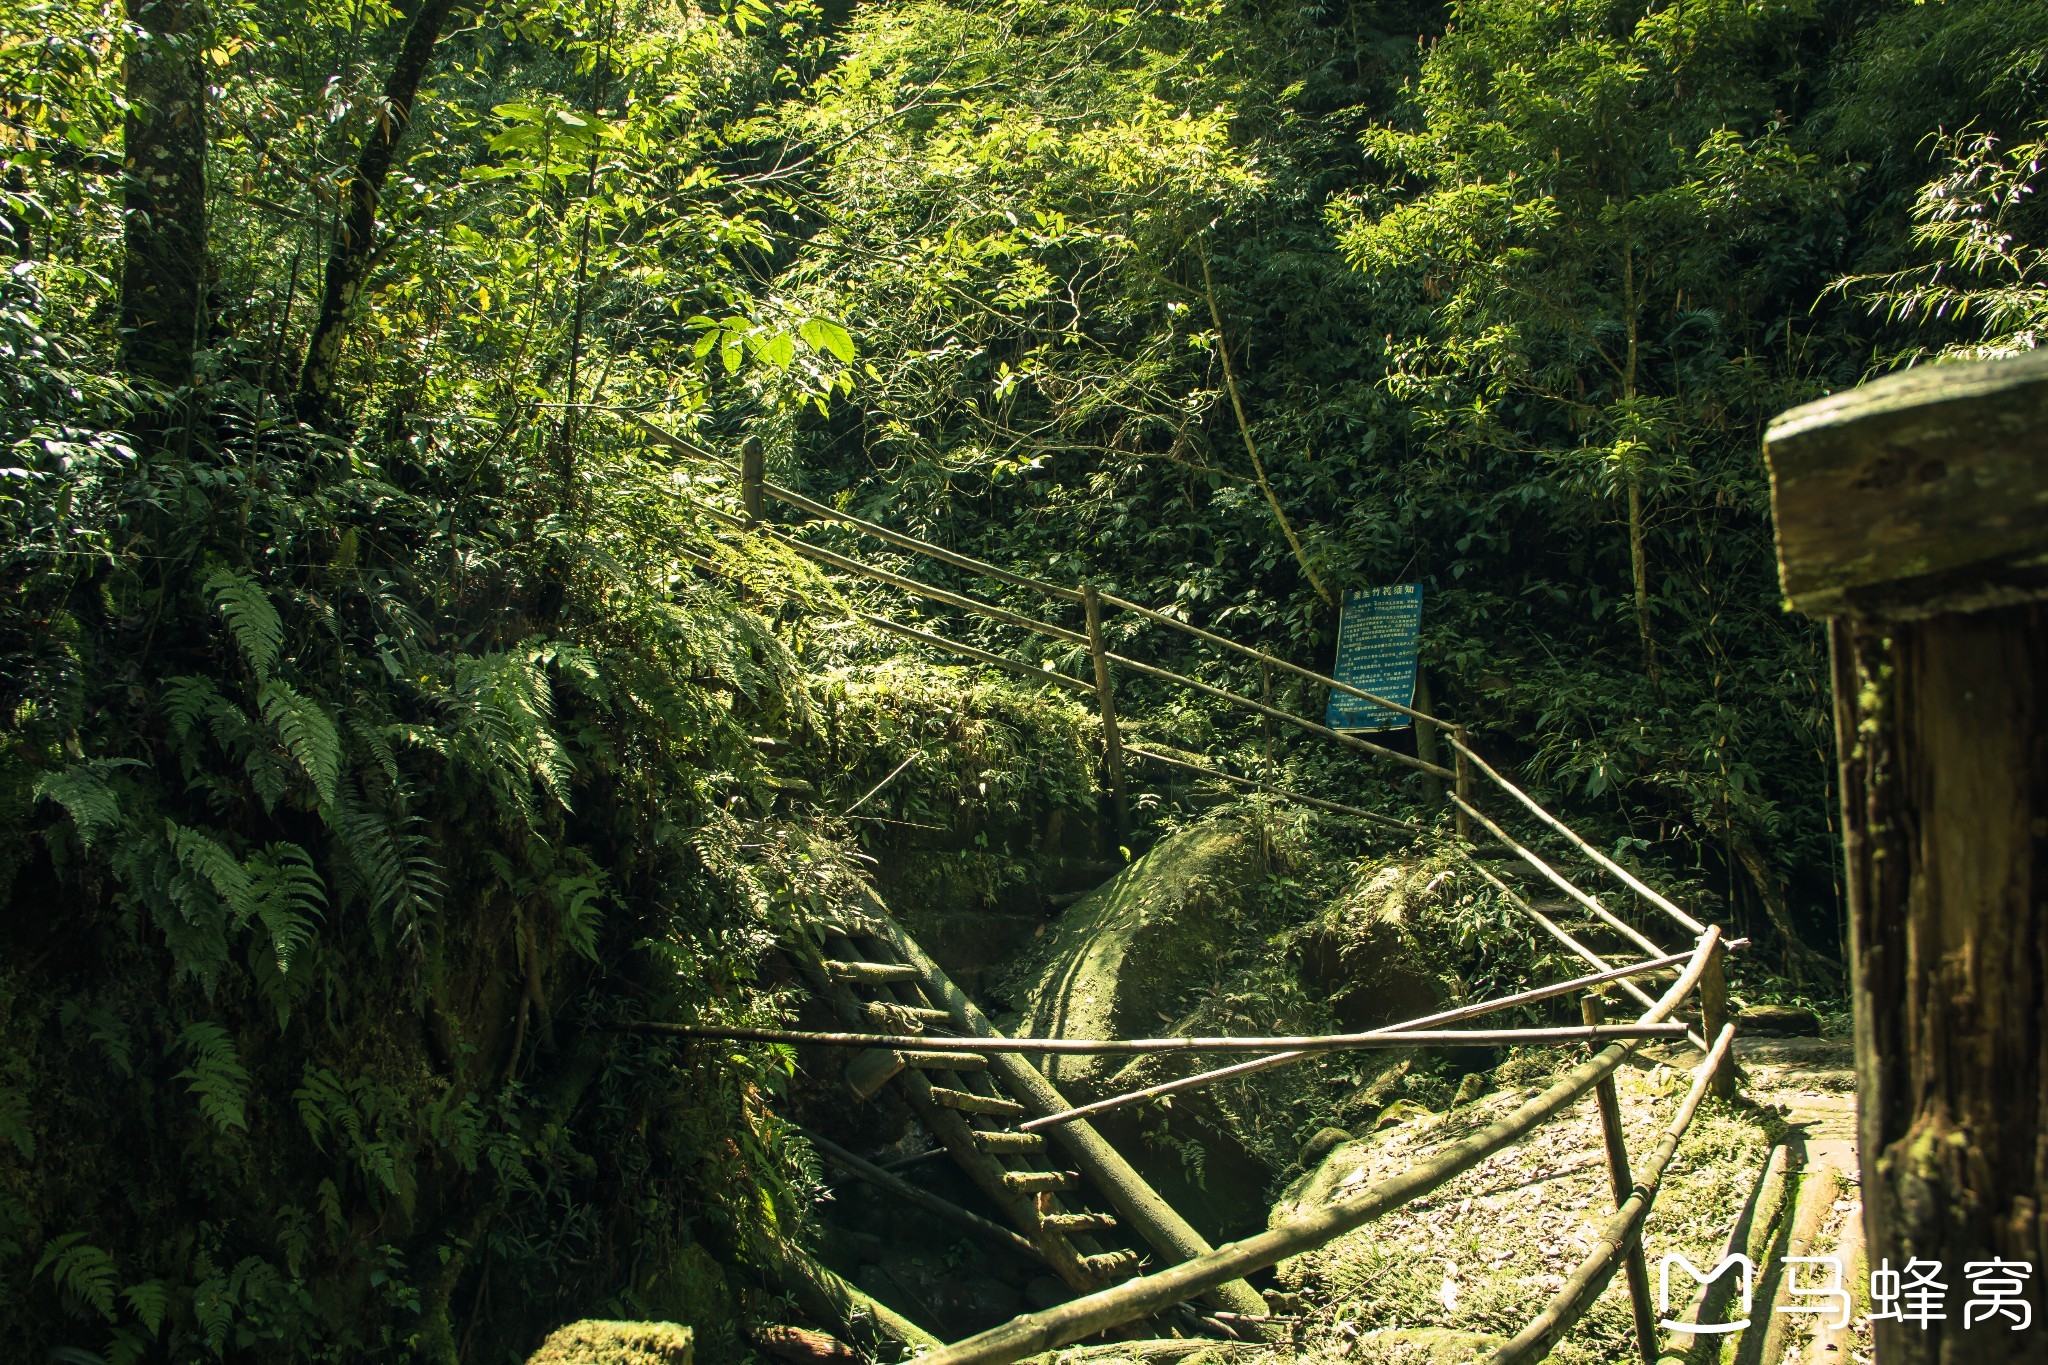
<point>1638,1268</point>
<point>753,469</point>
<point>1462,767</point>
<point>1913,514</point>
<point>1112,744</point>
<point>1714,1015</point>
<point>1426,747</point>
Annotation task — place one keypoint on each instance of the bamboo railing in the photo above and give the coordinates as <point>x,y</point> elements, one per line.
<point>1619,1244</point>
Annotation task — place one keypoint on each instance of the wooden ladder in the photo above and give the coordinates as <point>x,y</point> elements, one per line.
<point>1074,1197</point>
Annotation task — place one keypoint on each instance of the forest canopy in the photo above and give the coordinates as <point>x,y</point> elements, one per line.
<point>386,716</point>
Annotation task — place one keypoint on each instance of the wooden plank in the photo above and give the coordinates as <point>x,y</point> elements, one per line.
<point>1917,494</point>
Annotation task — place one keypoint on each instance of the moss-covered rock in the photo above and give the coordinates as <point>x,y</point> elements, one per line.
<point>1120,962</point>
<point>592,1342</point>
<point>1370,952</point>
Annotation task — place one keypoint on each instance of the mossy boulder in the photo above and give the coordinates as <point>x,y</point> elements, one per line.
<point>1372,952</point>
<point>593,1342</point>
<point>1121,961</point>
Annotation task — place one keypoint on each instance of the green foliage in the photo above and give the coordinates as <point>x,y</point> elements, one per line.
<point>217,1078</point>
<point>367,767</point>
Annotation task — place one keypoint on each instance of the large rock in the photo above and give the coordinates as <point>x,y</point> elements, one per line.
<point>592,1342</point>
<point>1371,954</point>
<point>1123,962</point>
<point>1119,963</point>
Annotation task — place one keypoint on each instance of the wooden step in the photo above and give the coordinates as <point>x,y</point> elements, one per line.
<point>1078,1222</point>
<point>869,973</point>
<point>872,1069</point>
<point>890,1018</point>
<point>1111,1265</point>
<point>1032,1182</point>
<point>946,1061</point>
<point>975,1104</point>
<point>1009,1142</point>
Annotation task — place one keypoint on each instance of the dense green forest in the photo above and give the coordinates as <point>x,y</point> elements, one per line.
<point>374,736</point>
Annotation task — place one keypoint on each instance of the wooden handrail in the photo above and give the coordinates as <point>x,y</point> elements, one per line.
<point>1314,1042</point>
<point>1279,1059</point>
<point>1570,1303</point>
<point>1558,879</point>
<point>1628,878</point>
<point>1031,1333</point>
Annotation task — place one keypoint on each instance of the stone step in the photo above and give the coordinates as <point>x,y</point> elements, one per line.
<point>968,1103</point>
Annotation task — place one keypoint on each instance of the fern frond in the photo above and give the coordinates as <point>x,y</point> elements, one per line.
<point>84,1271</point>
<point>84,793</point>
<point>580,901</point>
<point>307,732</point>
<point>216,1074</point>
<point>149,1301</point>
<point>250,614</point>
<point>208,859</point>
<point>187,700</point>
<point>388,867</point>
<point>290,897</point>
<point>15,1122</point>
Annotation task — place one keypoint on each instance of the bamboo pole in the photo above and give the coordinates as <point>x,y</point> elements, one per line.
<point>1528,997</point>
<point>1031,1333</point>
<point>1558,879</point>
<point>924,1199</point>
<point>1463,779</point>
<point>1627,878</point>
<point>1311,1042</point>
<point>752,467</point>
<point>825,1296</point>
<point>1714,1017</point>
<point>1105,699</point>
<point>1550,926</point>
<point>1616,1142</point>
<point>1140,1206</point>
<point>995,613</point>
<point>1065,594</point>
<point>1024,670</point>
<point>1237,699</point>
<point>1301,798</point>
<point>1535,1340</point>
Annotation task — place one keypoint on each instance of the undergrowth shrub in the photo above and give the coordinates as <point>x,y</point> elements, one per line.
<point>347,792</point>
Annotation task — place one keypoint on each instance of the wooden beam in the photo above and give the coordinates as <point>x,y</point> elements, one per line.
<point>1915,495</point>
<point>1913,512</point>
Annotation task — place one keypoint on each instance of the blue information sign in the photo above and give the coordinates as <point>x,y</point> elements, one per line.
<point>1376,650</point>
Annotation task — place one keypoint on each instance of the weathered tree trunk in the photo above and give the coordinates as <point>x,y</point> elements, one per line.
<point>348,265</point>
<point>1914,512</point>
<point>163,271</point>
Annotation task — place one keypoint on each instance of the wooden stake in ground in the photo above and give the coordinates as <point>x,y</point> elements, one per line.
<point>1624,1185</point>
<point>1912,513</point>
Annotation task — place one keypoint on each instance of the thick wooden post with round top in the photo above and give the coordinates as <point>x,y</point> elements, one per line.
<point>1912,513</point>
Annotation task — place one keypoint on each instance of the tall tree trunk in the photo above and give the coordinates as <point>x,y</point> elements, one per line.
<point>1638,555</point>
<point>163,271</point>
<point>1639,574</point>
<point>348,266</point>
